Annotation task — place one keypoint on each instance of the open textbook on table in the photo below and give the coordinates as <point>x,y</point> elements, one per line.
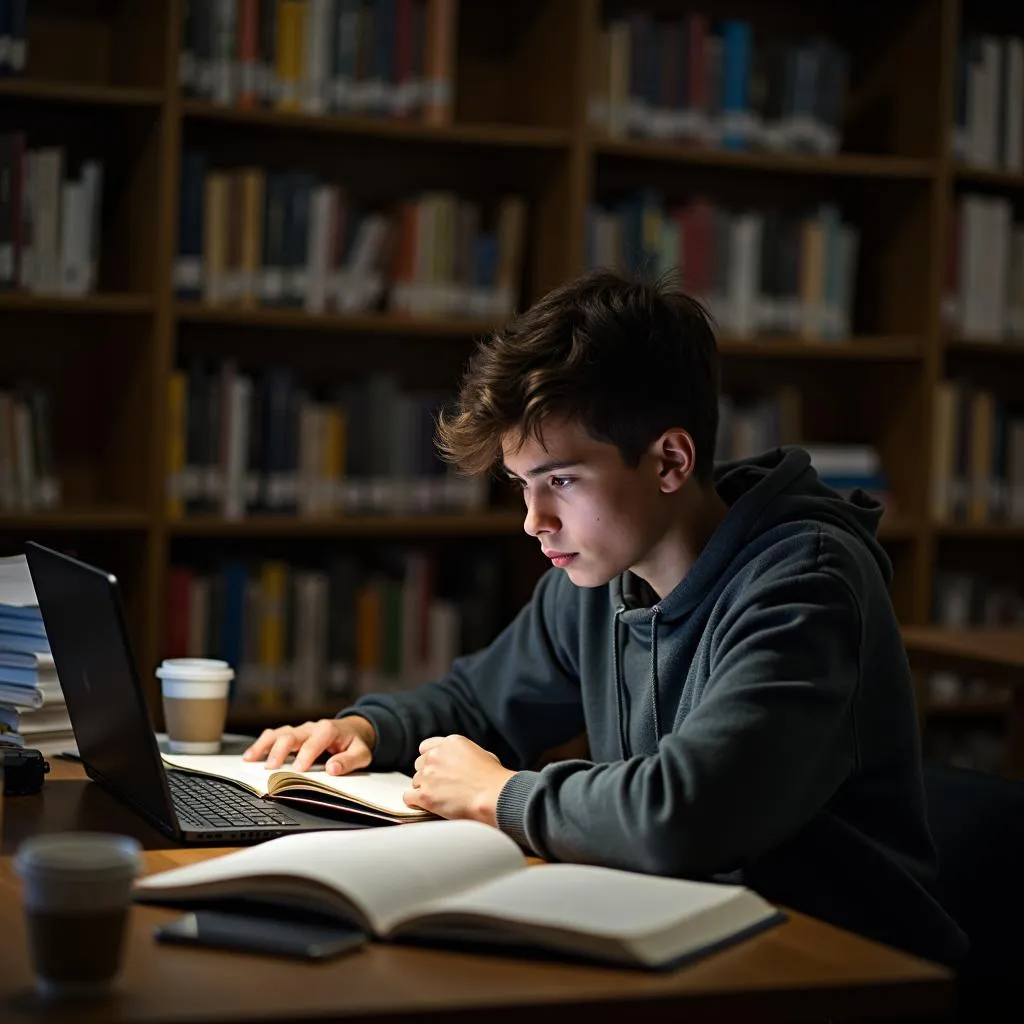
<point>464,880</point>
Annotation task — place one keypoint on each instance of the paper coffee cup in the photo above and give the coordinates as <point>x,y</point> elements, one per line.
<point>195,701</point>
<point>76,891</point>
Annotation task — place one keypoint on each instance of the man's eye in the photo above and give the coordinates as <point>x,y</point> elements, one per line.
<point>560,482</point>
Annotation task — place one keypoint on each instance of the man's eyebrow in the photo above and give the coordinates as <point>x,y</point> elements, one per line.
<point>544,467</point>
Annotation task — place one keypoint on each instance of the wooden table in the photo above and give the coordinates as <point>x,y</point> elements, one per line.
<point>800,970</point>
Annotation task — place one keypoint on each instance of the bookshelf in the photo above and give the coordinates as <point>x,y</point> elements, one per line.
<point>523,115</point>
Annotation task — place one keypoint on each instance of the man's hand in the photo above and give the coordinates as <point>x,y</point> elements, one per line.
<point>350,740</point>
<point>455,778</point>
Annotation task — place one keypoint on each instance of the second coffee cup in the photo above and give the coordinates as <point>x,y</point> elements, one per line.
<point>195,702</point>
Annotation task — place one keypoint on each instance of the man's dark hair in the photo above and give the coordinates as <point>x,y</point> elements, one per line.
<point>625,358</point>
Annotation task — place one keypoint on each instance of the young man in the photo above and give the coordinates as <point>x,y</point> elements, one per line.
<point>723,634</point>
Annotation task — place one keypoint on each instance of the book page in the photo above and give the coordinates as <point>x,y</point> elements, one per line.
<point>383,873</point>
<point>618,915</point>
<point>379,790</point>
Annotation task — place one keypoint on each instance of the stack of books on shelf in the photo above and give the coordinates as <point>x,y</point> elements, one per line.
<point>983,293</point>
<point>759,272</point>
<point>988,124</point>
<point>28,476</point>
<point>13,37</point>
<point>49,220</point>
<point>32,709</point>
<point>244,444</point>
<point>715,83</point>
<point>300,636</point>
<point>748,428</point>
<point>978,456</point>
<point>963,600</point>
<point>392,58</point>
<point>251,238</point>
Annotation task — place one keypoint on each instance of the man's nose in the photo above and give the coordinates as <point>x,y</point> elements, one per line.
<point>538,518</point>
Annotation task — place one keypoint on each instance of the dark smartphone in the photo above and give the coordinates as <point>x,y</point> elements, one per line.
<point>248,933</point>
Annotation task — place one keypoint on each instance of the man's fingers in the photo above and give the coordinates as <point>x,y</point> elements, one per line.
<point>430,741</point>
<point>351,760</point>
<point>283,746</point>
<point>320,738</point>
<point>263,743</point>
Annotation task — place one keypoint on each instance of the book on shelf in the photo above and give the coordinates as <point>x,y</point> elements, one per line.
<point>977,455</point>
<point>983,289</point>
<point>28,475</point>
<point>49,220</point>
<point>303,636</point>
<point>370,797</point>
<point>243,444</point>
<point>716,82</point>
<point>988,121</point>
<point>386,58</point>
<point>771,272</point>
<point>473,883</point>
<point>251,238</point>
<point>13,37</point>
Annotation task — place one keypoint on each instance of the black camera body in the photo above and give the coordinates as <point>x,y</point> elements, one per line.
<point>24,769</point>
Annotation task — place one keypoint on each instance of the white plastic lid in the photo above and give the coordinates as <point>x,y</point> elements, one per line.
<point>199,669</point>
<point>99,856</point>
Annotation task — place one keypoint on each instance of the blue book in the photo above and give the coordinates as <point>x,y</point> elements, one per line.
<point>737,39</point>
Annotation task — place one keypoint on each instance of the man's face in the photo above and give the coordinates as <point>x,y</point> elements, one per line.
<point>593,515</point>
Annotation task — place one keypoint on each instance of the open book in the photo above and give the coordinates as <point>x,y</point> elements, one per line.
<point>373,796</point>
<point>465,880</point>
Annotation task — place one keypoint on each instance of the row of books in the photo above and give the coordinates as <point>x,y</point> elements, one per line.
<point>988,123</point>
<point>300,636</point>
<point>759,272</point>
<point>28,476</point>
<point>251,237</point>
<point>978,456</point>
<point>371,57</point>
<point>32,708</point>
<point>715,83</point>
<point>965,599</point>
<point>983,293</point>
<point>13,37</point>
<point>749,427</point>
<point>49,220</point>
<point>266,443</point>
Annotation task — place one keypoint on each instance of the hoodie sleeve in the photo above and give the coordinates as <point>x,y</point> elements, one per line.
<point>518,697</point>
<point>769,742</point>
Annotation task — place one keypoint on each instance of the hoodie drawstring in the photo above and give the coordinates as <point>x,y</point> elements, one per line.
<point>655,685</point>
<point>617,667</point>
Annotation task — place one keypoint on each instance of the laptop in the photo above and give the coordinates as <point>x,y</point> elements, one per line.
<point>84,619</point>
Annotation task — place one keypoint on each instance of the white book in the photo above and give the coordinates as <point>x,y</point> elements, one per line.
<point>240,396</point>
<point>1013,107</point>
<point>316,72</point>
<point>372,795</point>
<point>464,879</point>
<point>74,239</point>
<point>48,170</point>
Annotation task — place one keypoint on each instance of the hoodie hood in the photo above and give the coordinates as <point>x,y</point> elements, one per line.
<point>764,492</point>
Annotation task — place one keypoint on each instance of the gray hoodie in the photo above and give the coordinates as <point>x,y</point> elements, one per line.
<point>755,725</point>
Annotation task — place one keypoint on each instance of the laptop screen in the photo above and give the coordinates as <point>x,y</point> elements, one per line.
<point>84,621</point>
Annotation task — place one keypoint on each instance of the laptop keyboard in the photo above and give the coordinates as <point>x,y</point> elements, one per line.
<point>207,803</point>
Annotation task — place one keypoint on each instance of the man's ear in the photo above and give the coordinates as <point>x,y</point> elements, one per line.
<point>676,458</point>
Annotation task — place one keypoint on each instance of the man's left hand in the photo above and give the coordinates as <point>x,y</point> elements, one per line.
<point>455,778</point>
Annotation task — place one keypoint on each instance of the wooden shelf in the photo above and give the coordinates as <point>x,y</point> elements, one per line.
<point>982,176</point>
<point>969,707</point>
<point>80,93</point>
<point>998,651</point>
<point>98,303</point>
<point>508,136</point>
<point>868,348</point>
<point>895,527</point>
<point>469,524</point>
<point>841,165</point>
<point>1011,349</point>
<point>75,519</point>
<point>352,323</point>
<point>980,531</point>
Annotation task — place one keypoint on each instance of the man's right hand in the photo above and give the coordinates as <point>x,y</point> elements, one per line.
<point>350,741</point>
